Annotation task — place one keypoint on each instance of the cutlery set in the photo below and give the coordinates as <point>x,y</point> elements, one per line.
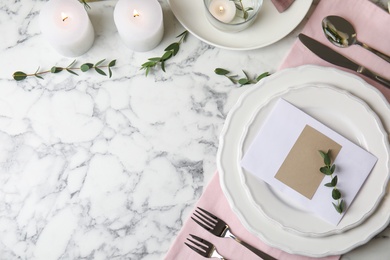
<point>342,34</point>
<point>219,228</point>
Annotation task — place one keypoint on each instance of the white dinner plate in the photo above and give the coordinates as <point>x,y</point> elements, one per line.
<point>248,213</point>
<point>349,116</point>
<point>269,27</point>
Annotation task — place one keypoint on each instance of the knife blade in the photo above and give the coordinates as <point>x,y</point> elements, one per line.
<point>331,56</point>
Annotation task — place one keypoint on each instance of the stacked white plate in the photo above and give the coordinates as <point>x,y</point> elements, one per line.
<point>345,103</point>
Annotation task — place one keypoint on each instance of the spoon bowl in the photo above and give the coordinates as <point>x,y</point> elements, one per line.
<point>341,33</point>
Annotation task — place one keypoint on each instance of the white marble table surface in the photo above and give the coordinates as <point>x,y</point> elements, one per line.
<point>109,168</point>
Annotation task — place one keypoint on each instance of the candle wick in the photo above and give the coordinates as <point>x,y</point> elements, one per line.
<point>63,19</point>
<point>221,9</point>
<point>135,13</point>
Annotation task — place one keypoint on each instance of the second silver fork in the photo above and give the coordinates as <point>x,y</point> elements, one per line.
<point>220,228</point>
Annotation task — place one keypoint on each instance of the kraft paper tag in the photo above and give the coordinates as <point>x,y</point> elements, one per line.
<point>300,169</point>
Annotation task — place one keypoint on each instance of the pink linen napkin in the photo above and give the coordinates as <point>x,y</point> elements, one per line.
<point>282,5</point>
<point>213,200</point>
<point>371,25</point>
<point>370,22</point>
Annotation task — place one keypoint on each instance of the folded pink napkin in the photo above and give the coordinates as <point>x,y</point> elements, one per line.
<point>213,200</point>
<point>370,22</point>
<point>282,5</point>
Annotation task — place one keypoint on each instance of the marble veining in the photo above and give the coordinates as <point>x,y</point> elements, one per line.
<point>109,168</point>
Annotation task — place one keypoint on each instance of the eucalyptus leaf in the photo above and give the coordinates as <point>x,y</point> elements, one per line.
<point>100,71</point>
<point>334,181</point>
<point>329,184</point>
<point>112,63</point>
<point>243,81</point>
<point>19,75</point>
<point>337,208</point>
<point>55,69</point>
<point>166,56</point>
<point>336,194</point>
<point>72,72</point>
<point>222,72</point>
<point>86,66</point>
<point>99,62</point>
<point>261,76</point>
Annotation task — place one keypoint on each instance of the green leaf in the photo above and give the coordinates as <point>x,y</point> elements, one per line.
<point>329,184</point>
<point>163,66</point>
<point>222,72</point>
<point>56,69</point>
<point>72,72</point>
<point>109,72</point>
<point>86,66</point>
<point>261,76</point>
<point>327,159</point>
<point>243,81</point>
<point>323,154</point>
<point>336,194</point>
<point>38,76</point>
<point>172,47</point>
<point>332,168</point>
<point>147,71</point>
<point>112,63</point>
<point>100,71</point>
<point>99,62</point>
<point>232,79</point>
<point>325,170</point>
<point>246,75</point>
<point>337,208</point>
<point>166,56</point>
<point>149,64</point>
<point>19,75</point>
<point>155,59</point>
<point>182,34</point>
<point>334,181</point>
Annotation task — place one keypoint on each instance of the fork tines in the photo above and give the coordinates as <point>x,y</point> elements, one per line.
<point>205,219</point>
<point>202,247</point>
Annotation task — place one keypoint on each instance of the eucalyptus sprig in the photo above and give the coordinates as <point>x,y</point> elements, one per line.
<point>170,51</point>
<point>329,169</point>
<point>20,75</point>
<point>240,7</point>
<point>242,81</point>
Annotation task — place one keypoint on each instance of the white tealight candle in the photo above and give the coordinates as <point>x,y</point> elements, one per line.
<point>139,23</point>
<point>66,26</point>
<point>223,10</point>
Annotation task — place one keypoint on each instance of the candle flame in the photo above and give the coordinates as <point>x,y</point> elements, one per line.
<point>221,9</point>
<point>64,16</point>
<point>135,13</point>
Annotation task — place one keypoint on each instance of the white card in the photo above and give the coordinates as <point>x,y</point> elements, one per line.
<point>273,143</point>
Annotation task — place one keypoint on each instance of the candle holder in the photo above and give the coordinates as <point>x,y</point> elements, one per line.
<point>232,15</point>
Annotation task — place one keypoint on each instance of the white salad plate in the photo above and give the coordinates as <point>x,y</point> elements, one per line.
<point>231,175</point>
<point>269,27</point>
<point>349,116</point>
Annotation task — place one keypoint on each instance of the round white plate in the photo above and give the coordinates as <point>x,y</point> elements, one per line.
<point>269,27</point>
<point>250,216</point>
<point>350,117</point>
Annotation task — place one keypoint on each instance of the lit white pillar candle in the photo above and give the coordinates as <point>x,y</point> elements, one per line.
<point>66,26</point>
<point>139,23</point>
<point>223,10</point>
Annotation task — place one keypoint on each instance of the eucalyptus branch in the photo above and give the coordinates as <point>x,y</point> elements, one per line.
<point>20,75</point>
<point>240,7</point>
<point>170,51</point>
<point>242,81</point>
<point>329,169</point>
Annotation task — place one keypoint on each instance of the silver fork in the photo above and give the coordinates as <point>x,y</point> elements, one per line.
<point>219,228</point>
<point>204,247</point>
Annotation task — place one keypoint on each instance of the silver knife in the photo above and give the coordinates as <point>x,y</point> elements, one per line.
<point>326,53</point>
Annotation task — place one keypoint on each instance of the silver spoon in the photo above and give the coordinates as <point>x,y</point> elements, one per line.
<point>341,33</point>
